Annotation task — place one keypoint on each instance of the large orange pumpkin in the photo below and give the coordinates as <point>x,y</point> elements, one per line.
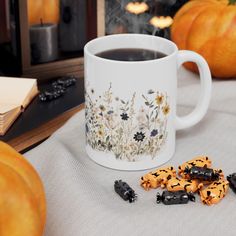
<point>209,28</point>
<point>45,10</point>
<point>22,198</point>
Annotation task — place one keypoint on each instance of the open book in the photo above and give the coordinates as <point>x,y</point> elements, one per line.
<point>15,95</point>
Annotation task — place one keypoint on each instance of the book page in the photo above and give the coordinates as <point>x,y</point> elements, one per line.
<point>5,125</point>
<point>4,108</point>
<point>15,91</point>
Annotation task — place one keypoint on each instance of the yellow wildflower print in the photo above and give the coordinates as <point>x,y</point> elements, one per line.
<point>124,128</point>
<point>102,108</point>
<point>159,99</point>
<point>100,132</point>
<point>166,109</point>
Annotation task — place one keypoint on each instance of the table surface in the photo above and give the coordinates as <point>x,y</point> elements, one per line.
<point>80,194</point>
<point>41,119</point>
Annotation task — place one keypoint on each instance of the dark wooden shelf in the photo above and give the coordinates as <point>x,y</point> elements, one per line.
<point>41,119</point>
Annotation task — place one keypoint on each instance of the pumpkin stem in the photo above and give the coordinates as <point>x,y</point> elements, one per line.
<point>232,2</point>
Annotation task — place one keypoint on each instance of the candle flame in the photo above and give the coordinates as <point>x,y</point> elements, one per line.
<point>161,22</point>
<point>136,7</point>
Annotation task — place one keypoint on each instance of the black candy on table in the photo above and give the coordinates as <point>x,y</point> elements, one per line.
<point>232,181</point>
<point>50,95</point>
<point>125,191</point>
<point>171,198</point>
<point>65,82</point>
<point>58,88</point>
<point>203,173</point>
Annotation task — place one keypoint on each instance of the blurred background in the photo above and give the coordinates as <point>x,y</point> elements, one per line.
<point>147,17</point>
<point>45,38</point>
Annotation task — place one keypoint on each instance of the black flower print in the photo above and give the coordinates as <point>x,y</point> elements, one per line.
<point>154,132</point>
<point>124,116</point>
<point>110,112</point>
<point>139,136</point>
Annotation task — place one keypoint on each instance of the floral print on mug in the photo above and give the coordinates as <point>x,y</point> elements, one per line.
<point>117,126</point>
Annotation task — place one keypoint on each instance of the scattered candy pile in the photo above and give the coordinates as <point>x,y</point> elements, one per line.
<point>58,88</point>
<point>196,176</point>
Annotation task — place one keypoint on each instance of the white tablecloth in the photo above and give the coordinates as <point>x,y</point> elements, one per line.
<point>80,195</point>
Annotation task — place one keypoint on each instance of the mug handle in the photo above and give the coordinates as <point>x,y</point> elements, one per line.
<point>205,94</point>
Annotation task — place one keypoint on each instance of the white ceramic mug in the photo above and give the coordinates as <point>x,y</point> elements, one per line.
<point>130,107</point>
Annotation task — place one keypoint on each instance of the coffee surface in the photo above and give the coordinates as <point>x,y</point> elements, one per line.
<point>131,54</point>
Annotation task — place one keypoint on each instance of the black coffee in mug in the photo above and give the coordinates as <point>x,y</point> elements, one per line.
<point>131,54</point>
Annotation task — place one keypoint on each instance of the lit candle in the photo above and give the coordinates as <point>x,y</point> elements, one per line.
<point>72,27</point>
<point>44,42</point>
<point>47,10</point>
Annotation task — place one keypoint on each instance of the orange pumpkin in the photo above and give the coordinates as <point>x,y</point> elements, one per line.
<point>22,198</point>
<point>208,27</point>
<point>45,10</point>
